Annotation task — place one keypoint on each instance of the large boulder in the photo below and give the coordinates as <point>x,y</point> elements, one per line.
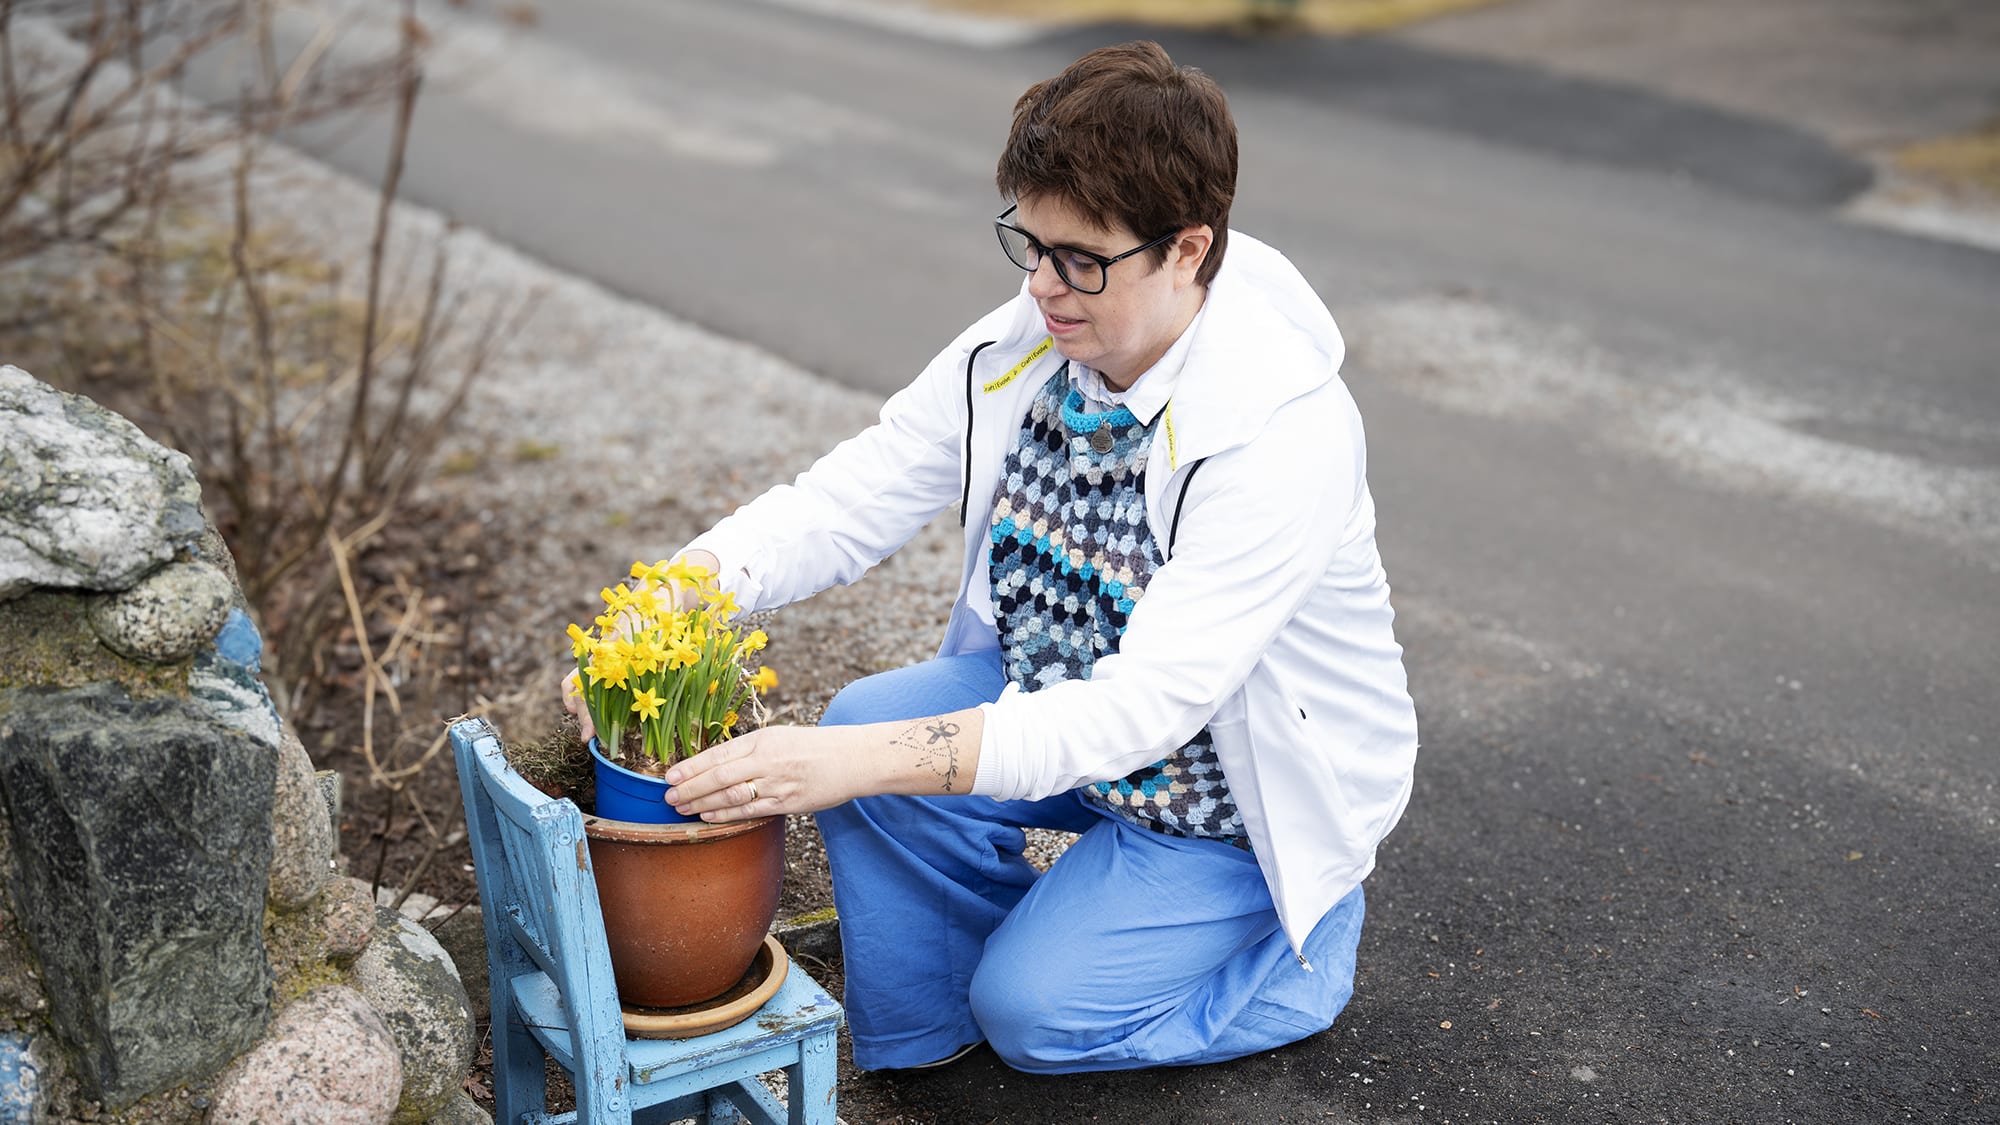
<point>411,979</point>
<point>140,832</point>
<point>329,1059</point>
<point>463,938</point>
<point>86,501</point>
<point>302,836</point>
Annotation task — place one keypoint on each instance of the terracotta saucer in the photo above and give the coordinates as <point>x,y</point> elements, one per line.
<point>767,972</point>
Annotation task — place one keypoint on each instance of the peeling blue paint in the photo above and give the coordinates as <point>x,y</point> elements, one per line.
<point>20,1081</point>
<point>239,642</point>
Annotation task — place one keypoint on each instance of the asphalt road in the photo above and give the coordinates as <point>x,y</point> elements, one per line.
<point>1689,490</point>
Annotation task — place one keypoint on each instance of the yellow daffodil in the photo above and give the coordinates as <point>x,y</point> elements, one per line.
<point>644,601</point>
<point>649,648</point>
<point>682,572</point>
<point>654,574</point>
<point>722,603</point>
<point>681,672</point>
<point>607,668</point>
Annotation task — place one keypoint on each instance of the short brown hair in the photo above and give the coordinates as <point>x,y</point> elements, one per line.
<point>1125,136</point>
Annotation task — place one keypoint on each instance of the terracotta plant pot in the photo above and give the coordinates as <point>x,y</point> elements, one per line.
<point>685,905</point>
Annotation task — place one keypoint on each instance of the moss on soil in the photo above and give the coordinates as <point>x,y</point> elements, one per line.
<point>46,641</point>
<point>556,763</point>
<point>295,948</point>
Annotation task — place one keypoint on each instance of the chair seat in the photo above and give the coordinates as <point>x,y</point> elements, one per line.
<point>769,1036</point>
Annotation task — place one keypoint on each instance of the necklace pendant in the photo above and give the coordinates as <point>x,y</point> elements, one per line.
<point>1101,439</point>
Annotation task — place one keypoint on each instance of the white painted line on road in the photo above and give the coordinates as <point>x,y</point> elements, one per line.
<point>1475,358</point>
<point>539,83</point>
<point>1904,208</point>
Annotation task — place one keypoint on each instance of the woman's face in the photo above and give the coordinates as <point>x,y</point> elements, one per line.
<point>1145,305</point>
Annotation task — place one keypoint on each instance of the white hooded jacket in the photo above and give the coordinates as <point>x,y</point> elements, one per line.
<point>1269,623</point>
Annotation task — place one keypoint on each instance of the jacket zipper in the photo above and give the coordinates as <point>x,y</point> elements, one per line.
<point>965,473</point>
<point>1174,527</point>
<point>965,469</point>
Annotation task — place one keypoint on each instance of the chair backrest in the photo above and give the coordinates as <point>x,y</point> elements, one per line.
<point>538,895</point>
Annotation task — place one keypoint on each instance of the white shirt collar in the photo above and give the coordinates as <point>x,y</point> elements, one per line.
<point>1150,392</point>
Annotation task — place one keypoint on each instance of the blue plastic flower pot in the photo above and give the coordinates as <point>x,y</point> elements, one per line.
<point>626,795</point>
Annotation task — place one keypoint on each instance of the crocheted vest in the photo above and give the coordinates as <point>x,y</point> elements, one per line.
<point>1072,552</point>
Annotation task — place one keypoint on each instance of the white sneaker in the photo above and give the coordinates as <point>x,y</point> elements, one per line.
<point>948,1059</point>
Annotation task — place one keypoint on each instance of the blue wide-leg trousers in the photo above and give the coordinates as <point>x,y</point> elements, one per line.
<point>1136,949</point>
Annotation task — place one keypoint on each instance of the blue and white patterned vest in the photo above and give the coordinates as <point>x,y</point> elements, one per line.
<point>1072,552</point>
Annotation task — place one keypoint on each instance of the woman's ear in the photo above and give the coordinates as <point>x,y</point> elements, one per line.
<point>1190,251</point>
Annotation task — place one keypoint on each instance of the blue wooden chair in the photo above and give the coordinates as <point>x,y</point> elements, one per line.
<point>553,994</point>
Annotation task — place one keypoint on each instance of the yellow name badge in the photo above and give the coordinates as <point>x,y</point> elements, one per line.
<point>1173,442</point>
<point>1041,350</point>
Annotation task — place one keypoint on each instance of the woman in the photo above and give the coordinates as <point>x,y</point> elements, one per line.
<point>1172,633</point>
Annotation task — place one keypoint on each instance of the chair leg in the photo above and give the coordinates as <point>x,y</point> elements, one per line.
<point>721,1110</point>
<point>601,1100</point>
<point>520,1083</point>
<point>812,1082</point>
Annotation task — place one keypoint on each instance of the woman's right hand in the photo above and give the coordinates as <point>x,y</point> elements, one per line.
<point>572,698</point>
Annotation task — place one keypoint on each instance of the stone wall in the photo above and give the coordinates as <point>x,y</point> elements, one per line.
<point>175,943</point>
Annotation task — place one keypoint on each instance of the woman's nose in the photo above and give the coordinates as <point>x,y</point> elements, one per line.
<point>1045,282</point>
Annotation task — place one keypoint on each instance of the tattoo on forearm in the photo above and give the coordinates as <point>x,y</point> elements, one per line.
<point>936,747</point>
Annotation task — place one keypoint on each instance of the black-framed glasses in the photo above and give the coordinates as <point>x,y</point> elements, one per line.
<point>1081,270</point>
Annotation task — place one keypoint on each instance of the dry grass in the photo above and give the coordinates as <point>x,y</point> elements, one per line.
<point>1966,164</point>
<point>1333,17</point>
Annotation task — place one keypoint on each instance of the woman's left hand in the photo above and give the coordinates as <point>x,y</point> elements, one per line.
<point>781,769</point>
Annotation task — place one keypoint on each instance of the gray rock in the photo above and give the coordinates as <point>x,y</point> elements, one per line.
<point>461,1110</point>
<point>812,935</point>
<point>169,616</point>
<point>301,835</point>
<point>416,906</point>
<point>212,549</point>
<point>332,787</point>
<point>329,1059</point>
<point>350,919</point>
<point>140,832</point>
<point>463,936</point>
<point>86,500</point>
<point>232,694</point>
<point>412,982</point>
<point>21,998</point>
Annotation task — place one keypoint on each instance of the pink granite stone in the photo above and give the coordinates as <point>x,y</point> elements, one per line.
<point>350,919</point>
<point>329,1059</point>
